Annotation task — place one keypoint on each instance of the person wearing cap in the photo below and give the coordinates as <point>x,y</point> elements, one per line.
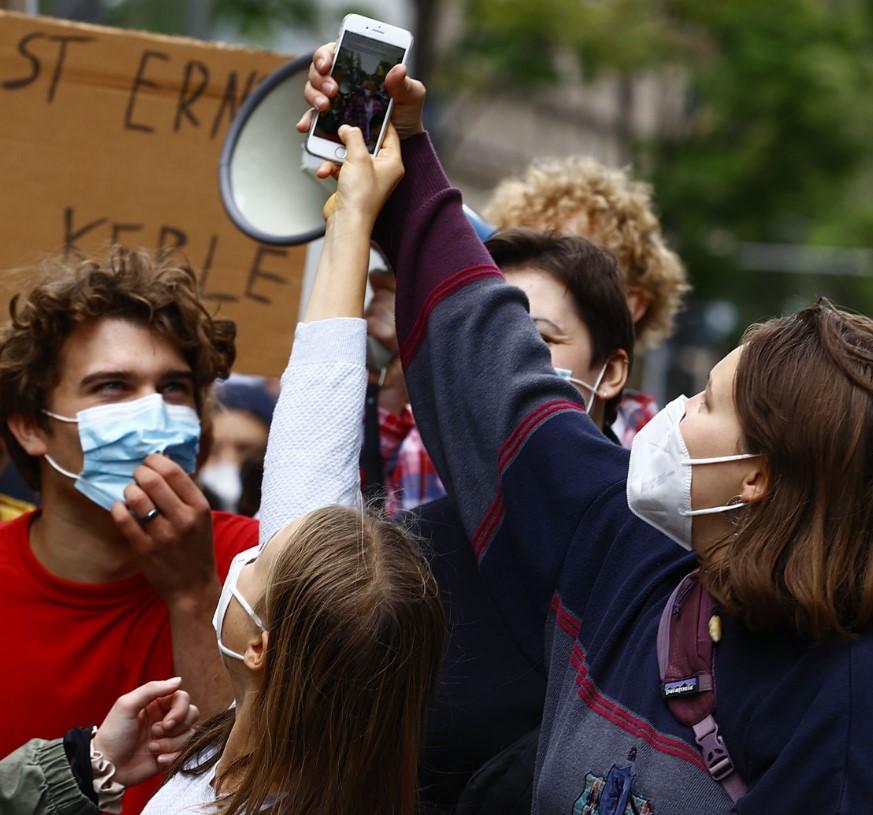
<point>240,422</point>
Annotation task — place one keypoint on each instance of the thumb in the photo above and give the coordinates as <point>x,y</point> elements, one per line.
<point>353,139</point>
<point>402,87</point>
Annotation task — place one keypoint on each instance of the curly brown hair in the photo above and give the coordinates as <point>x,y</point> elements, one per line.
<point>131,284</point>
<point>579,195</point>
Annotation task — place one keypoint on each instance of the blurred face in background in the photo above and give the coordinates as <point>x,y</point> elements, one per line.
<point>237,435</point>
<point>239,439</point>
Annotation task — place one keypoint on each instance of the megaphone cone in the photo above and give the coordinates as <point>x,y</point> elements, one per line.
<point>268,183</point>
<point>267,179</point>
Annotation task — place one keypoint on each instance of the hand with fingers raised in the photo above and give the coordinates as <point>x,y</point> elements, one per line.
<point>408,94</point>
<point>146,730</point>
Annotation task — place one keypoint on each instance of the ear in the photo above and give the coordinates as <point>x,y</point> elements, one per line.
<point>255,656</point>
<point>28,434</point>
<point>755,484</point>
<point>637,302</point>
<point>614,377</point>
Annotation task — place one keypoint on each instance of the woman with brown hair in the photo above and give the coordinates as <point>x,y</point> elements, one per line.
<point>332,632</point>
<point>763,482</point>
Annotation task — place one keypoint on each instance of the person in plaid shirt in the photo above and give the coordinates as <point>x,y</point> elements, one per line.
<point>408,477</point>
<point>633,415</point>
<point>412,479</point>
<point>581,314</point>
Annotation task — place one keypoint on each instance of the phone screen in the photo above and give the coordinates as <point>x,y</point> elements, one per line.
<point>359,71</point>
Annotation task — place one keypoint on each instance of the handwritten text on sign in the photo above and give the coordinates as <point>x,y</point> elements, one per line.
<point>114,136</point>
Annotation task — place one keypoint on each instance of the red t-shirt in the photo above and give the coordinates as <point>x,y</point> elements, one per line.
<point>69,650</point>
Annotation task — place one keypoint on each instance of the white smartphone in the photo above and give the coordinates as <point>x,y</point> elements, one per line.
<point>366,50</point>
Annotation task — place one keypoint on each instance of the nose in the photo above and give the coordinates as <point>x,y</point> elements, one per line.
<point>692,405</point>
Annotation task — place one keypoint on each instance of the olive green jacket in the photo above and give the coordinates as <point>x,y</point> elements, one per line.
<point>37,780</point>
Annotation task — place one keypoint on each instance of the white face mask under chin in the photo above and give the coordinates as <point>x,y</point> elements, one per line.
<point>659,476</point>
<point>229,590</point>
<point>567,374</point>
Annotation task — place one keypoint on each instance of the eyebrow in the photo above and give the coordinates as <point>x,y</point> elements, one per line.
<point>708,389</point>
<point>97,376</point>
<point>181,373</point>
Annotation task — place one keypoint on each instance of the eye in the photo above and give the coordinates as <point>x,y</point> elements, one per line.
<point>110,386</point>
<point>176,387</point>
<point>549,337</point>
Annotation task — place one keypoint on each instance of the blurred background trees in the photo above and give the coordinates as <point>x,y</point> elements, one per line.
<point>752,119</point>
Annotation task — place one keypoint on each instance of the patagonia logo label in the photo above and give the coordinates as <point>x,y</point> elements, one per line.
<point>681,687</point>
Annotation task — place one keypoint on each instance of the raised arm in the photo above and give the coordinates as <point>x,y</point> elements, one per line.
<point>480,378</point>
<point>509,438</point>
<point>315,437</point>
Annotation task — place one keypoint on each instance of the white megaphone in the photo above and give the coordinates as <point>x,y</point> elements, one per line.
<point>267,179</point>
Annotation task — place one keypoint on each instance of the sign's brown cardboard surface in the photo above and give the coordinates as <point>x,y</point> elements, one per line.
<point>109,135</point>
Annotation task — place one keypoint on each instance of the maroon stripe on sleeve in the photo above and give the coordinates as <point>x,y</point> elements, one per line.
<point>523,430</point>
<point>413,339</point>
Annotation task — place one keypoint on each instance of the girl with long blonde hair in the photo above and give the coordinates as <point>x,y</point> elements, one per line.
<point>332,630</point>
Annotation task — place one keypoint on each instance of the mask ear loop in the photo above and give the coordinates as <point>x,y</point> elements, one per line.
<point>597,382</point>
<point>248,609</point>
<point>57,467</point>
<point>60,418</point>
<point>52,463</point>
<point>567,375</point>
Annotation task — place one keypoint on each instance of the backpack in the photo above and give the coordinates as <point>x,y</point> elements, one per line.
<point>687,634</point>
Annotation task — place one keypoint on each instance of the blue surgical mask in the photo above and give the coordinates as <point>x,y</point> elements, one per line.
<point>116,439</point>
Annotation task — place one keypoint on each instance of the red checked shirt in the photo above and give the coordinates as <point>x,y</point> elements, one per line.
<point>409,474</point>
<point>410,477</point>
<point>634,412</point>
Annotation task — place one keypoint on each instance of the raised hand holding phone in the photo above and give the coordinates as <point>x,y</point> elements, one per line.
<point>407,94</point>
<point>368,50</point>
<point>364,183</point>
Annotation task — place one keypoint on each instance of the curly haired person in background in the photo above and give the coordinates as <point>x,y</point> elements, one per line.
<point>581,196</point>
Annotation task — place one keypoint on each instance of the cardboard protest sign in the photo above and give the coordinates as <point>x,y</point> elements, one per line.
<point>115,136</point>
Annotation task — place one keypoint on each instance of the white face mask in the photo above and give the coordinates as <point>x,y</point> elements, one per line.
<point>229,590</point>
<point>659,476</point>
<point>225,483</point>
<point>567,374</point>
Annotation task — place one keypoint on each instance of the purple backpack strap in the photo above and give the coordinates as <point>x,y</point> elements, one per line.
<point>686,665</point>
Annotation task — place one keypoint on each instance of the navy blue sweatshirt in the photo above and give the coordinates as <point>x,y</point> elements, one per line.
<point>579,579</point>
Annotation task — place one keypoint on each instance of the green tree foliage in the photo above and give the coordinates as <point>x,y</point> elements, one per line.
<point>774,144</point>
<point>256,17</point>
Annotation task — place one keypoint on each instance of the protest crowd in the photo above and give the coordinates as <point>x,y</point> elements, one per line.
<point>451,561</point>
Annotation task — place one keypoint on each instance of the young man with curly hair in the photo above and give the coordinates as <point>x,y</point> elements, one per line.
<point>581,196</point>
<point>115,579</point>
